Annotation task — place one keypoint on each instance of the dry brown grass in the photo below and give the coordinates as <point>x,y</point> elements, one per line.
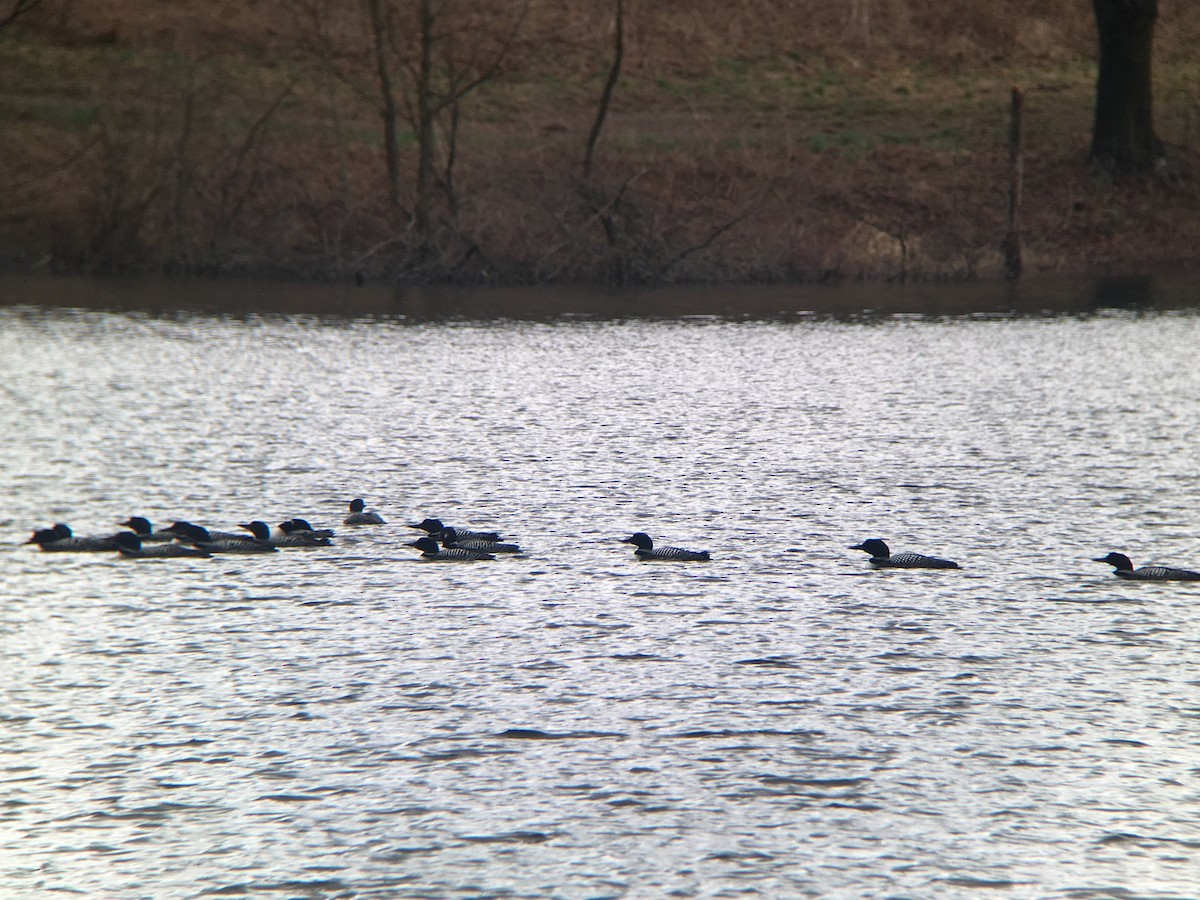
<point>863,139</point>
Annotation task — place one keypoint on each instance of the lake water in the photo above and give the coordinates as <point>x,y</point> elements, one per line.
<point>570,723</point>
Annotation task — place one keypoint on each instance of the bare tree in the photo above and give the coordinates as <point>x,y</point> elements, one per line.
<point>423,72</point>
<point>1123,138</point>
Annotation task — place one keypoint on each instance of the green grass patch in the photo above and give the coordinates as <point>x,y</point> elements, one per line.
<point>65,115</point>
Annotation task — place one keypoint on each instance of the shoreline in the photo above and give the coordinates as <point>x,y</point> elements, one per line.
<point>1031,296</point>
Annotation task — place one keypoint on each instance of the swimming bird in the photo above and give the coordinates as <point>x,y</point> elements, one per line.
<point>130,545</point>
<point>263,532</point>
<point>436,529</point>
<point>645,550</point>
<point>451,537</point>
<point>59,539</point>
<point>146,534</point>
<point>882,557</point>
<point>1123,568</point>
<point>430,550</point>
<point>220,542</point>
<point>360,515</point>
<point>189,532</point>
<point>302,526</point>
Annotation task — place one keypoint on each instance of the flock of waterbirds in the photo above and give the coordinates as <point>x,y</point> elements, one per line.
<point>440,543</point>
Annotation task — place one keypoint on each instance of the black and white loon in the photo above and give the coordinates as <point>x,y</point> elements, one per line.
<point>430,550</point>
<point>302,526</point>
<point>451,537</point>
<point>220,541</point>
<point>189,531</point>
<point>881,556</point>
<point>145,531</point>
<point>282,538</point>
<point>646,550</point>
<point>59,539</point>
<point>129,544</point>
<point>435,529</point>
<point>1124,569</point>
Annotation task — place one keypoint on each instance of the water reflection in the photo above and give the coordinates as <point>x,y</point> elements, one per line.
<point>1044,296</point>
<point>1129,292</point>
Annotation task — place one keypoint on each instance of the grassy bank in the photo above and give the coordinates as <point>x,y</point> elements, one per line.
<point>864,141</point>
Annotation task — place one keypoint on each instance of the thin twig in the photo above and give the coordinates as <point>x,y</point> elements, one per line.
<point>597,216</point>
<point>20,7</point>
<point>614,74</point>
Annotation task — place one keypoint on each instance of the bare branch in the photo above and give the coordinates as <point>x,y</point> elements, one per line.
<point>598,215</point>
<point>614,73</point>
<point>371,251</point>
<point>251,143</point>
<point>488,71</point>
<point>708,241</point>
<point>20,7</point>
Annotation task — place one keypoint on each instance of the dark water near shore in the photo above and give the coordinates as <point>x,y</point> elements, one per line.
<point>1030,297</point>
<point>350,722</point>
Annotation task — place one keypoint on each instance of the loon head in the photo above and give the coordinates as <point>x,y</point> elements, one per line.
<point>433,526</point>
<point>641,540</point>
<point>128,540</point>
<point>190,532</point>
<point>201,534</point>
<point>424,544</point>
<point>449,534</point>
<point>261,530</point>
<point>295,525</point>
<point>874,546</point>
<point>357,505</point>
<point>43,536</point>
<point>137,523</point>
<point>1119,561</point>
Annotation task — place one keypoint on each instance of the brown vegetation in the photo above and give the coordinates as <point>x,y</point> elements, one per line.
<point>745,142</point>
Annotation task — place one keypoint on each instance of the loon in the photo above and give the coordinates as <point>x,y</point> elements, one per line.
<point>59,539</point>
<point>645,550</point>
<point>359,515</point>
<point>129,544</point>
<point>451,537</point>
<point>430,550</point>
<point>301,526</point>
<point>881,556</point>
<point>220,542</point>
<point>263,532</point>
<point>435,528</point>
<point>190,532</point>
<point>145,532</point>
<point>1124,569</point>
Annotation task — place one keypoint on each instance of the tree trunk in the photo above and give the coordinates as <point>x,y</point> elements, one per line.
<point>426,135</point>
<point>1123,138</point>
<point>387,100</point>
<point>614,74</point>
<point>1016,174</point>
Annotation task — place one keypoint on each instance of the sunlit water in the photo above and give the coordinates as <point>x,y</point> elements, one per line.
<point>352,722</point>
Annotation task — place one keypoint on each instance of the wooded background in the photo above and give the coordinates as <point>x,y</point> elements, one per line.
<point>423,140</point>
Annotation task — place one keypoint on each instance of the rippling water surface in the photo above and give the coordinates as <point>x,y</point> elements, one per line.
<point>351,722</point>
